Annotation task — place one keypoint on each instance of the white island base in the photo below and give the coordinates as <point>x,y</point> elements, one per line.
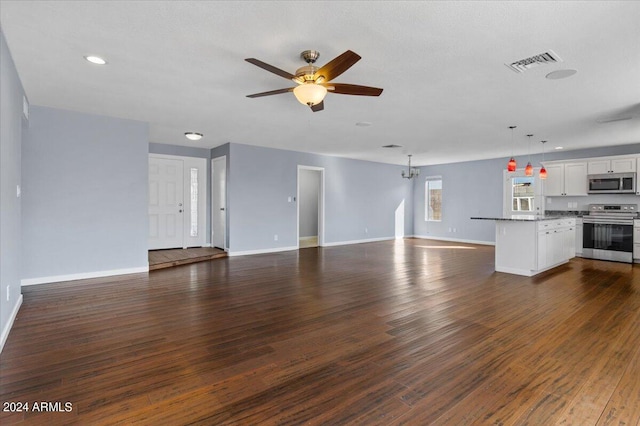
<point>530,246</point>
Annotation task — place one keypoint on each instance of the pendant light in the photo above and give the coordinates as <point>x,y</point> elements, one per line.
<point>511,165</point>
<point>543,171</point>
<point>528,171</point>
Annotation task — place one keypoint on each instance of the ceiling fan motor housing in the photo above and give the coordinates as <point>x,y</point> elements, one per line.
<point>310,56</point>
<point>306,73</point>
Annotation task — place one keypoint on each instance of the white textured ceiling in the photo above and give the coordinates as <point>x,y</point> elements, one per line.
<point>179,65</point>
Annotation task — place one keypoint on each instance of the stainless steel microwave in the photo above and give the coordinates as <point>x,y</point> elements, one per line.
<point>612,183</point>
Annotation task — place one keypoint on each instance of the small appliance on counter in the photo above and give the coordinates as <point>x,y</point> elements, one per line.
<point>608,232</point>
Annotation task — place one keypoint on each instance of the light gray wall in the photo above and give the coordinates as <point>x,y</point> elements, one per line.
<point>474,188</point>
<point>358,195</point>
<point>186,151</point>
<point>309,192</point>
<point>12,128</point>
<point>85,180</point>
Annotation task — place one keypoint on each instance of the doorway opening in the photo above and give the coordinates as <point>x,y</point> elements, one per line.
<point>310,206</point>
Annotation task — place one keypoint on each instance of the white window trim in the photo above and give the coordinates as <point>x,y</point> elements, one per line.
<point>426,199</point>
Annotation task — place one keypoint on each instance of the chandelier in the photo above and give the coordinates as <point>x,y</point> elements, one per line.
<point>411,172</point>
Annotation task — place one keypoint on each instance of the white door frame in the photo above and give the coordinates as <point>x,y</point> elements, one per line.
<point>201,165</point>
<point>213,213</point>
<point>320,205</point>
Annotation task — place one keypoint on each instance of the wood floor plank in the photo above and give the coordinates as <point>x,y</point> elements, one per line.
<point>386,333</point>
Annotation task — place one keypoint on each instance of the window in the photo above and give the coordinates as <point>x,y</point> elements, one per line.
<point>433,199</point>
<point>194,202</point>
<point>522,194</point>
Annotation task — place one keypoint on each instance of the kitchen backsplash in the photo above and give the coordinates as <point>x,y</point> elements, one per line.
<point>566,212</point>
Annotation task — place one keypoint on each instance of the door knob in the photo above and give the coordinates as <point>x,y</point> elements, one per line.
<point>222,208</point>
<point>180,211</point>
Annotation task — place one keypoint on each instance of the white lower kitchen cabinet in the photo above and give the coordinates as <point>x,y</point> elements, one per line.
<point>528,247</point>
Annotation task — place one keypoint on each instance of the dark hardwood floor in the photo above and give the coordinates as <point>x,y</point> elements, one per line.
<point>159,259</point>
<point>410,333</point>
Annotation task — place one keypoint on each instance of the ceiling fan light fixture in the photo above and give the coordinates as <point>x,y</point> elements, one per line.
<point>310,93</point>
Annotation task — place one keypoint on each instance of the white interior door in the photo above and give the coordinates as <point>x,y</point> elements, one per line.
<point>166,203</point>
<point>219,202</point>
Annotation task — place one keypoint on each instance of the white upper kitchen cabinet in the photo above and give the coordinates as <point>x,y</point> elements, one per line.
<point>616,165</point>
<point>566,179</point>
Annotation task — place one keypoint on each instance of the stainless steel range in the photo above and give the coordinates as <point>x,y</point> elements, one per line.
<point>608,232</point>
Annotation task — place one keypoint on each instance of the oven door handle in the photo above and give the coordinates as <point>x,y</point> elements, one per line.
<point>608,222</point>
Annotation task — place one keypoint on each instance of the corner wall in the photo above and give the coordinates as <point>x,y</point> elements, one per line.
<point>85,184</point>
<point>361,198</point>
<point>12,129</point>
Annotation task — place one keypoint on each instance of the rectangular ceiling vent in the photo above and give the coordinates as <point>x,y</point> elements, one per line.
<point>549,57</point>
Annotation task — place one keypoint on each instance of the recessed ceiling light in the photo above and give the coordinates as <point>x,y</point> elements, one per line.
<point>559,147</point>
<point>193,136</point>
<point>363,123</point>
<point>559,74</point>
<point>95,60</point>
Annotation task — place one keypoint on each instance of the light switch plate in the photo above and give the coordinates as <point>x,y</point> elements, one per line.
<point>18,191</point>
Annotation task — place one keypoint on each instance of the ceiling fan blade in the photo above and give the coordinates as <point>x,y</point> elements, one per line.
<point>352,89</point>
<point>272,92</point>
<point>317,107</point>
<point>270,68</point>
<point>338,65</point>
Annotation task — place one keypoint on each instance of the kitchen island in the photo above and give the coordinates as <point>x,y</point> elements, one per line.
<point>530,244</point>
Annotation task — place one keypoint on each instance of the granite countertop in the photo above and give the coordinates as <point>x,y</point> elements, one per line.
<point>523,218</point>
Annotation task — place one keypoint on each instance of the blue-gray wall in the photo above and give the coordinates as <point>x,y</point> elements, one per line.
<point>359,195</point>
<point>85,208</point>
<point>12,129</point>
<point>474,188</point>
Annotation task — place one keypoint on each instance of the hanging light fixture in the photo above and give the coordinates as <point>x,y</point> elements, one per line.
<point>413,172</point>
<point>543,171</point>
<point>528,171</point>
<point>511,165</point>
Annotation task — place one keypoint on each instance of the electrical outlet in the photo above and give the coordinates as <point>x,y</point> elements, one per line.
<point>449,229</point>
<point>366,230</point>
<point>454,229</point>
<point>289,199</point>
<point>275,237</point>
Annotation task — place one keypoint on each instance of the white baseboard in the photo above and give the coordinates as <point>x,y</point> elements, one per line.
<point>456,240</point>
<point>83,276</point>
<point>9,324</point>
<point>369,240</point>
<point>261,251</point>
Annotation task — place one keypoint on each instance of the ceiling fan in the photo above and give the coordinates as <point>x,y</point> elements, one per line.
<point>313,82</point>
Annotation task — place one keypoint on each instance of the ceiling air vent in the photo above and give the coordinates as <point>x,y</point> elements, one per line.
<point>548,57</point>
<point>392,146</point>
